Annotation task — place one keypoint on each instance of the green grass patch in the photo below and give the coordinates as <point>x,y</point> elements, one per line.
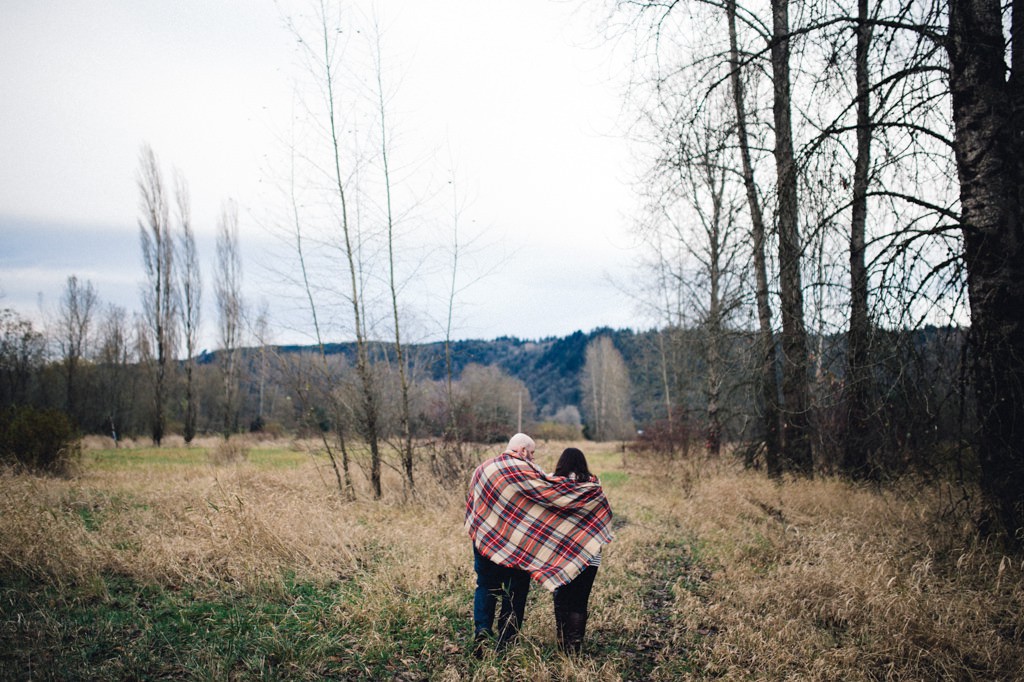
<point>277,458</point>
<point>613,479</point>
<point>120,459</point>
<point>296,631</point>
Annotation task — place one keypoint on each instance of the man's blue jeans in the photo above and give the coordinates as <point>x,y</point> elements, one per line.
<point>494,582</point>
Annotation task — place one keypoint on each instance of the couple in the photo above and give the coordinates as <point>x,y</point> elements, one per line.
<point>526,523</point>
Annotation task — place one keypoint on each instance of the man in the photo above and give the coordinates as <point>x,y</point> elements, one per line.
<point>525,523</point>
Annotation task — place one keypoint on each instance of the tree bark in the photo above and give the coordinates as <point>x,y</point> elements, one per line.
<point>796,444</point>
<point>768,381</point>
<point>988,109</point>
<point>859,442</point>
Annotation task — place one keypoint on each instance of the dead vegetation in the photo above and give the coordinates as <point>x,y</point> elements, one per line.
<point>715,572</point>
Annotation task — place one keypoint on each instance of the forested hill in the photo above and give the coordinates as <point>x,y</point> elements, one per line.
<point>549,367</point>
<point>918,376</point>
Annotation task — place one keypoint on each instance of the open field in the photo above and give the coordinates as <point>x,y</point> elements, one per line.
<point>156,564</point>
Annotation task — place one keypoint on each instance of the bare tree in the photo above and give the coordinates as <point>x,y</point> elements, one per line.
<point>716,211</point>
<point>606,392</point>
<point>190,285</point>
<point>313,382</point>
<point>450,462</point>
<point>988,115</point>
<point>230,308</point>
<point>77,306</point>
<point>22,351</point>
<point>323,54</point>
<point>858,437</point>
<point>159,296</point>
<point>405,420</point>
<point>891,96</point>
<point>489,403</point>
<point>115,362</point>
<point>796,400</point>
<point>882,90</point>
<point>262,335</point>
<point>767,375</point>
<point>695,202</point>
<point>453,289</point>
<point>698,73</point>
<point>313,391</point>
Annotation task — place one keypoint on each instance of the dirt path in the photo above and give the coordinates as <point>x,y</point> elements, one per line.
<point>663,649</point>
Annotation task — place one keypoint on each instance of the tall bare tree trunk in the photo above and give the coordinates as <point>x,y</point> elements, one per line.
<point>261,330</point>
<point>403,374</point>
<point>795,423</point>
<point>190,285</point>
<point>228,290</point>
<point>605,378</point>
<point>363,368</point>
<point>666,387</point>
<point>715,330</point>
<point>159,297</point>
<point>342,476</point>
<point>988,115</point>
<point>448,462</point>
<point>77,306</point>
<point>859,443</point>
<point>767,374</point>
<point>453,433</point>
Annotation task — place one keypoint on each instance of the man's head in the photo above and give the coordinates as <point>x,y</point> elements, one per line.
<point>522,446</point>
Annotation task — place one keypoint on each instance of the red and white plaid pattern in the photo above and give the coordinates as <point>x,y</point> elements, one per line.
<point>519,516</point>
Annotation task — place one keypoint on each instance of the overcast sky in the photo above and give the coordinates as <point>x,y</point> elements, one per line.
<point>519,102</point>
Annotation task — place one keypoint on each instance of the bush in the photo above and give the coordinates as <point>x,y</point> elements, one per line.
<point>228,452</point>
<point>551,430</point>
<point>263,430</point>
<point>40,441</point>
<point>664,439</point>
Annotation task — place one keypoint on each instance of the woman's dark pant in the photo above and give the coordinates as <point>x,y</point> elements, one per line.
<point>576,595</point>
<point>571,611</point>
<point>494,582</point>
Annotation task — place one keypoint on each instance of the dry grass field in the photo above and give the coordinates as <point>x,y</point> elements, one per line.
<point>158,564</point>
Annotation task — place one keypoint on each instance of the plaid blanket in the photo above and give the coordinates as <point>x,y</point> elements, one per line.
<point>551,526</point>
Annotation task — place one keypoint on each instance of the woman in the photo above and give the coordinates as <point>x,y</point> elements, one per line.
<point>571,599</point>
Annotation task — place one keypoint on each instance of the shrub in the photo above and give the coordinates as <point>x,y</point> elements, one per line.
<point>273,430</point>
<point>664,439</point>
<point>40,441</point>
<point>264,430</point>
<point>228,452</point>
<point>552,430</point>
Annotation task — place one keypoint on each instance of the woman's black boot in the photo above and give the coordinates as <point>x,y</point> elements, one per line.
<point>575,630</point>
<point>561,622</point>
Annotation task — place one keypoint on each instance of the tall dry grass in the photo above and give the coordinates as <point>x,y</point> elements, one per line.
<point>824,580</point>
<point>715,572</point>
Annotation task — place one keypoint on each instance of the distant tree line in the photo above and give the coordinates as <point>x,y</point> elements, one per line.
<point>605,384</point>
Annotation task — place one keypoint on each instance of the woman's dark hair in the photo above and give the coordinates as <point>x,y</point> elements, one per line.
<point>572,461</point>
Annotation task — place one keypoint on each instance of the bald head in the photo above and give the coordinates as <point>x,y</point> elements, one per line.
<point>522,445</point>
